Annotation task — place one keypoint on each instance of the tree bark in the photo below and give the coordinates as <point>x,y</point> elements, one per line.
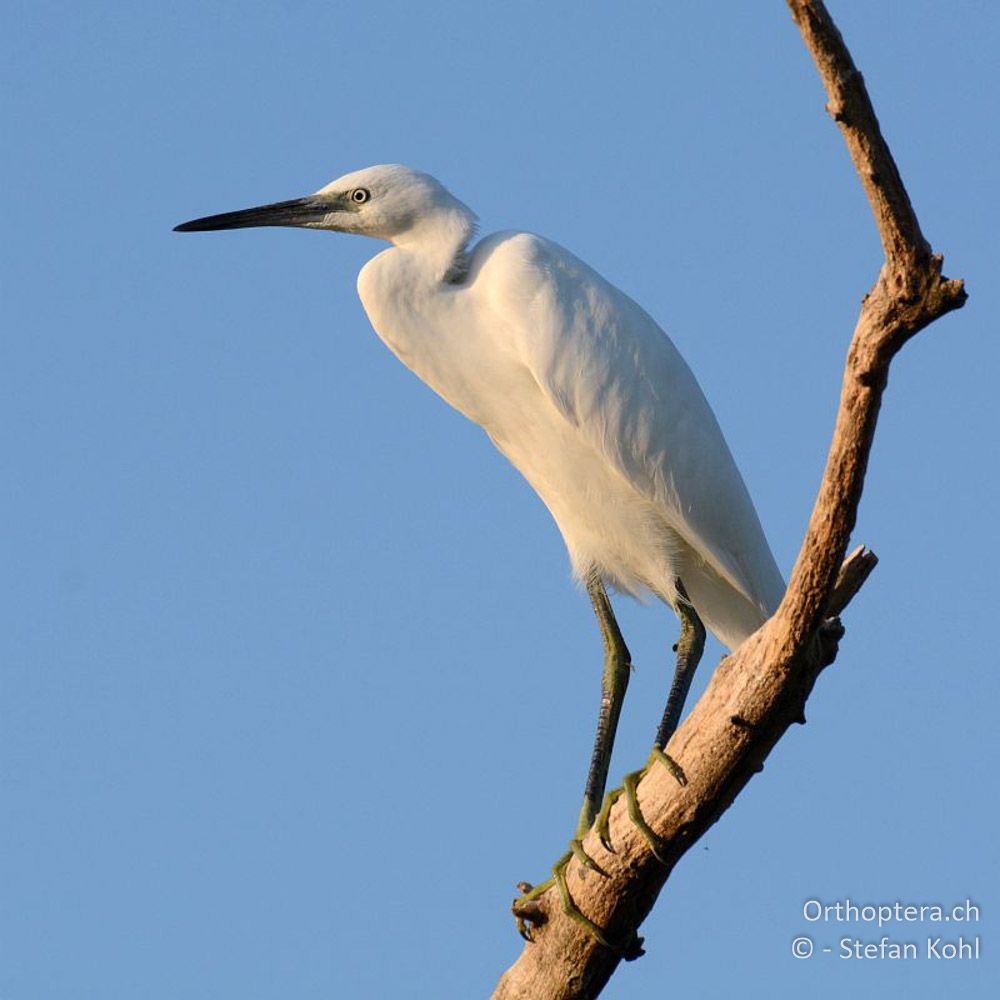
<point>759,690</point>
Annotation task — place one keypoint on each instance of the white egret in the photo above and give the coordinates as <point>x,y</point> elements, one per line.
<point>585,395</point>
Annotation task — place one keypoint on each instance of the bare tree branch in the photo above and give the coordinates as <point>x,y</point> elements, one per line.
<point>855,570</point>
<point>760,689</point>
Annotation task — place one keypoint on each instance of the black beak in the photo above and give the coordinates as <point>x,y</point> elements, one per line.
<point>297,212</point>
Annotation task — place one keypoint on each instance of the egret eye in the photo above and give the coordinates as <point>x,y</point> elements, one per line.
<point>360,195</point>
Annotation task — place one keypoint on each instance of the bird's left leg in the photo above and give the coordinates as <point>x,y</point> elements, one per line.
<point>614,681</point>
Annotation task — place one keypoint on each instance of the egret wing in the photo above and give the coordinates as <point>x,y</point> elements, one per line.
<point>616,376</point>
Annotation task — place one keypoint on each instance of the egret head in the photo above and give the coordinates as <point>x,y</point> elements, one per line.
<point>389,202</point>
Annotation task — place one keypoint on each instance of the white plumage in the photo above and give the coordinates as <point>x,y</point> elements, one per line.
<point>571,380</point>
<point>585,395</point>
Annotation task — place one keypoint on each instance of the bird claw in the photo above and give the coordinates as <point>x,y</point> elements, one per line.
<point>630,951</point>
<point>528,914</point>
<point>601,823</point>
<point>576,849</point>
<point>657,844</point>
<point>669,763</point>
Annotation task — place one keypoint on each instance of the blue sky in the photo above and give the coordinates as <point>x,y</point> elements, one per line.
<point>295,683</point>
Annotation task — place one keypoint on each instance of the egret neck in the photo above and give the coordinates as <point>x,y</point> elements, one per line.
<point>438,242</point>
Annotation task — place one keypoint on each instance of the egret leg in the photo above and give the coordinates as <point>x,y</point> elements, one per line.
<point>614,682</point>
<point>689,649</point>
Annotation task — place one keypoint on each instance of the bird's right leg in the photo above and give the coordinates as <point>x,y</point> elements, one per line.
<point>689,648</point>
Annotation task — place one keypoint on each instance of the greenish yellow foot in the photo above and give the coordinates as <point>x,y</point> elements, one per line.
<point>526,912</point>
<point>656,843</point>
<point>525,908</point>
<point>630,951</point>
<point>669,763</point>
<point>601,823</point>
